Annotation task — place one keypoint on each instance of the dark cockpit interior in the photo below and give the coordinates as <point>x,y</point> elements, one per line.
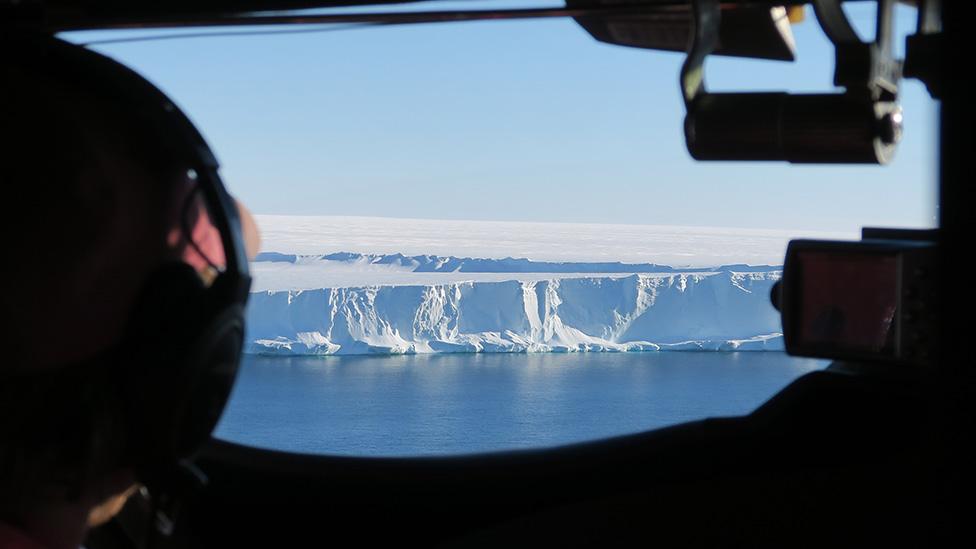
<point>874,450</point>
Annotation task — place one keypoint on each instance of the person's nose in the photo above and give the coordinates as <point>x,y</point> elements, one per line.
<point>249,226</point>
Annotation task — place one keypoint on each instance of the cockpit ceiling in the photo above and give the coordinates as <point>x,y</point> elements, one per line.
<point>61,14</point>
<point>753,28</point>
<point>93,14</point>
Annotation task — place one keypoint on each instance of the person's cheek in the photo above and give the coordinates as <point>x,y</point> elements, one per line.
<point>199,241</point>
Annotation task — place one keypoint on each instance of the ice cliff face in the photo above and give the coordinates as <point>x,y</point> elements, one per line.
<point>720,310</point>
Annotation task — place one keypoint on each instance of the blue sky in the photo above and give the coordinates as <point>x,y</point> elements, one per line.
<point>526,120</point>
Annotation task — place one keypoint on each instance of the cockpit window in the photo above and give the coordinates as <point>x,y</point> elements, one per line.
<point>490,236</point>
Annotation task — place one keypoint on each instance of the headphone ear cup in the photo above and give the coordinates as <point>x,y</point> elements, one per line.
<point>185,348</point>
<point>157,373</point>
<point>214,359</point>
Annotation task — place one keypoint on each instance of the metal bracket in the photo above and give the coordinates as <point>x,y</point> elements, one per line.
<point>860,125</point>
<point>923,50</point>
<point>862,66</point>
<point>707,17</point>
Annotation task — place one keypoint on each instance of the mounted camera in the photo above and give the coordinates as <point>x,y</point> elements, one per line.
<point>872,300</point>
<point>862,125</point>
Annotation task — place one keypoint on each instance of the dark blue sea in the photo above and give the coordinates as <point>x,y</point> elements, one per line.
<point>462,403</point>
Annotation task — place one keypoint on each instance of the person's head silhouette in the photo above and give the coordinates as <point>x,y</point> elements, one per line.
<point>102,208</point>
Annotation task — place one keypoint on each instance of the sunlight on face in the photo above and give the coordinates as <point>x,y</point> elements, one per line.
<point>207,251</point>
<point>252,234</point>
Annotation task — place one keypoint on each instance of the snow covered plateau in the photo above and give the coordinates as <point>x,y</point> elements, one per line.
<point>580,287</point>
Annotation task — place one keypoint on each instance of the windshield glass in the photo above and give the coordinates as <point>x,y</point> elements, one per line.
<point>488,236</point>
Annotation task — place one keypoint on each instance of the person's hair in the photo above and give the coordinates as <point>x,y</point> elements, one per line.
<point>89,196</point>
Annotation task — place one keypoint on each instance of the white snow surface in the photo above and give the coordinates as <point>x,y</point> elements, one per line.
<point>354,285</point>
<point>277,271</point>
<point>559,242</point>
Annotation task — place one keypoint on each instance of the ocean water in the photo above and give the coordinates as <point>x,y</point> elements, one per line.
<point>412,405</point>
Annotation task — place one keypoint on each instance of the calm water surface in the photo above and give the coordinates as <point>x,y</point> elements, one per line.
<point>462,403</point>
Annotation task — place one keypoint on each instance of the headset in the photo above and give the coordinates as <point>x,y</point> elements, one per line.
<point>176,364</point>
